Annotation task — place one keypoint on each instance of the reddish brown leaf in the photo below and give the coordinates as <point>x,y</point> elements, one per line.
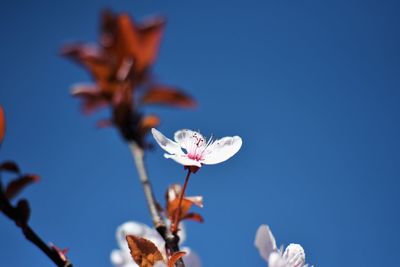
<point>173,207</point>
<point>92,97</point>
<point>10,166</point>
<point>172,197</point>
<point>194,217</point>
<point>164,95</point>
<point>120,65</point>
<point>90,57</point>
<point>108,28</point>
<point>23,210</point>
<point>143,251</point>
<point>20,183</point>
<point>140,43</point>
<point>149,122</point>
<point>2,124</point>
<point>175,257</point>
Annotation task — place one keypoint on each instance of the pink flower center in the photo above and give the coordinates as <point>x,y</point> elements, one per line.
<point>196,147</point>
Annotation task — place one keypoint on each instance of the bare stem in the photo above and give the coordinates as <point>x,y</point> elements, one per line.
<point>174,227</point>
<point>51,253</point>
<point>171,240</point>
<point>13,213</point>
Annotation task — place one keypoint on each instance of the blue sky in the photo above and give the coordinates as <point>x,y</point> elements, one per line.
<point>312,87</point>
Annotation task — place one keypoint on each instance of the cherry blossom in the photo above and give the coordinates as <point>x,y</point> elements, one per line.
<point>190,148</point>
<point>122,258</point>
<point>292,256</point>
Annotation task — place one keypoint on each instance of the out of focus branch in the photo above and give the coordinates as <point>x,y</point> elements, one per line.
<point>15,215</point>
<point>171,240</point>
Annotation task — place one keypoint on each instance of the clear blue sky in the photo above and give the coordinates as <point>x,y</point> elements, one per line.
<point>311,86</point>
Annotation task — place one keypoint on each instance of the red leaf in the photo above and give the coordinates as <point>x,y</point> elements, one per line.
<point>92,97</point>
<point>148,122</point>
<point>2,124</point>
<point>10,166</point>
<point>172,197</point>
<point>20,183</point>
<point>23,210</point>
<point>164,95</point>
<point>194,217</point>
<point>143,251</point>
<point>175,257</point>
<point>90,57</point>
<point>108,29</point>
<point>141,42</point>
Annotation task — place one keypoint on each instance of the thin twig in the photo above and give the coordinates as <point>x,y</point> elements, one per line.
<point>171,240</point>
<point>13,213</point>
<point>51,253</point>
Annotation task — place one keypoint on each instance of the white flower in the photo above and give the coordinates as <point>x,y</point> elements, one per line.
<point>191,149</point>
<point>293,256</point>
<point>122,258</point>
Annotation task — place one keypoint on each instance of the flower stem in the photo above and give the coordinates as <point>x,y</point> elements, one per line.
<point>174,226</point>
<point>171,239</point>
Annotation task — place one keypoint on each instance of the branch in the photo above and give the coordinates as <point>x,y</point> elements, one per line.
<point>171,240</point>
<point>14,214</point>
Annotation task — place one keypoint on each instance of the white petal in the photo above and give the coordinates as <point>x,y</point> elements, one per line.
<point>182,233</point>
<point>276,260</point>
<point>120,258</point>
<point>165,143</point>
<point>265,242</point>
<point>183,159</point>
<point>222,150</point>
<point>295,256</point>
<point>187,138</point>
<point>116,257</point>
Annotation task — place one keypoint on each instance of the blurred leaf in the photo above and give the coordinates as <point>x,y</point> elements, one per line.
<point>108,28</point>
<point>175,257</point>
<point>92,97</point>
<point>194,217</point>
<point>2,124</point>
<point>148,122</point>
<point>120,65</point>
<point>141,42</point>
<point>24,210</point>
<point>90,57</point>
<point>10,166</point>
<point>143,251</point>
<point>20,183</point>
<point>165,95</point>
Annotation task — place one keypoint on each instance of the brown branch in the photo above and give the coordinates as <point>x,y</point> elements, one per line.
<point>14,214</point>
<point>171,240</point>
<point>50,252</point>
